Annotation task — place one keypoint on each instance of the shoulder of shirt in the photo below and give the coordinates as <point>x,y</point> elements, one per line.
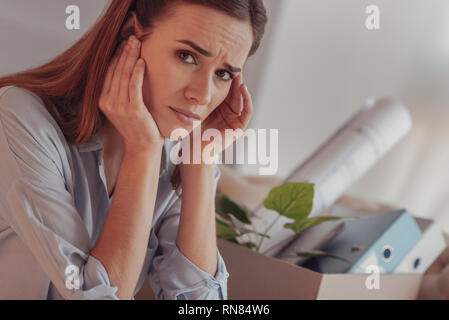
<point>26,107</point>
<point>25,110</point>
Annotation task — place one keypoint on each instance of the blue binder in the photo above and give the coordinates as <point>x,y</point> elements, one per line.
<point>382,240</point>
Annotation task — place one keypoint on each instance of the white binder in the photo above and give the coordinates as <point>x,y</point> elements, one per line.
<point>426,251</point>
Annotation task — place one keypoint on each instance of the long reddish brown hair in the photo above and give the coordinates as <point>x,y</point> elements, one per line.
<point>70,85</point>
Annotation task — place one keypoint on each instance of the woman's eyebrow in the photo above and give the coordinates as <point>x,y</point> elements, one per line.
<point>206,53</point>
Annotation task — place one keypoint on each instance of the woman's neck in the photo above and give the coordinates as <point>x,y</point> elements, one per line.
<point>111,139</point>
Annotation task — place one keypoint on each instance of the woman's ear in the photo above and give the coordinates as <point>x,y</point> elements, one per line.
<point>131,26</point>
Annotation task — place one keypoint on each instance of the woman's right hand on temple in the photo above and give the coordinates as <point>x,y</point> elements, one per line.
<point>122,102</point>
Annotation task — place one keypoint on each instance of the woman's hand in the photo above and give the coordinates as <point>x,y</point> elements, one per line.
<point>233,113</point>
<point>197,226</point>
<point>121,99</point>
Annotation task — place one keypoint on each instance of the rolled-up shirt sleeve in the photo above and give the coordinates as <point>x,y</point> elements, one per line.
<point>40,209</point>
<point>173,276</point>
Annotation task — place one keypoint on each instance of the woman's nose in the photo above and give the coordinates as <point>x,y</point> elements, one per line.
<point>200,90</point>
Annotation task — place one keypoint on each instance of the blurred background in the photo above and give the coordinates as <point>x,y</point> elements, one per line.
<point>317,65</point>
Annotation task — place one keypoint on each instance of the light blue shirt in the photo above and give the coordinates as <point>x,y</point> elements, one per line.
<point>53,204</point>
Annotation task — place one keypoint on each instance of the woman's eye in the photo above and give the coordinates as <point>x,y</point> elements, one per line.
<point>184,55</point>
<point>229,78</point>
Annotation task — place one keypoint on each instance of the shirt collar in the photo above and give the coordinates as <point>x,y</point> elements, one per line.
<point>92,144</point>
<point>165,161</point>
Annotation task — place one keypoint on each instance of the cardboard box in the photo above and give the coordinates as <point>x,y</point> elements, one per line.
<point>259,277</point>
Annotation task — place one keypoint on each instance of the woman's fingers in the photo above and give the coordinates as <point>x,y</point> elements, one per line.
<point>247,105</point>
<point>111,68</point>
<point>109,74</point>
<point>236,101</point>
<point>116,78</point>
<point>128,70</point>
<point>136,82</point>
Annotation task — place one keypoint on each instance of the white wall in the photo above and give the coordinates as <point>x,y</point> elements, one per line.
<point>33,31</point>
<point>322,65</point>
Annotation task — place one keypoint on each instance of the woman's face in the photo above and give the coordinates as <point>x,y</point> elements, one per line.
<point>181,79</point>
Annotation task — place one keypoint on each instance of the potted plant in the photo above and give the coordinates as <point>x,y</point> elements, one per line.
<point>293,200</point>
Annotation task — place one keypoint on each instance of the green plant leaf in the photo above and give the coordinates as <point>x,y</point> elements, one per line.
<point>249,245</point>
<point>318,253</point>
<point>224,230</point>
<point>301,225</point>
<point>242,228</point>
<point>224,205</point>
<point>292,199</point>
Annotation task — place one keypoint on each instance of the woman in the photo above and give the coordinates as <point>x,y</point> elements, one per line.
<point>87,204</point>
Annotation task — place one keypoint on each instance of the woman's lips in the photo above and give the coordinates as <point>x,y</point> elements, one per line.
<point>185,116</point>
